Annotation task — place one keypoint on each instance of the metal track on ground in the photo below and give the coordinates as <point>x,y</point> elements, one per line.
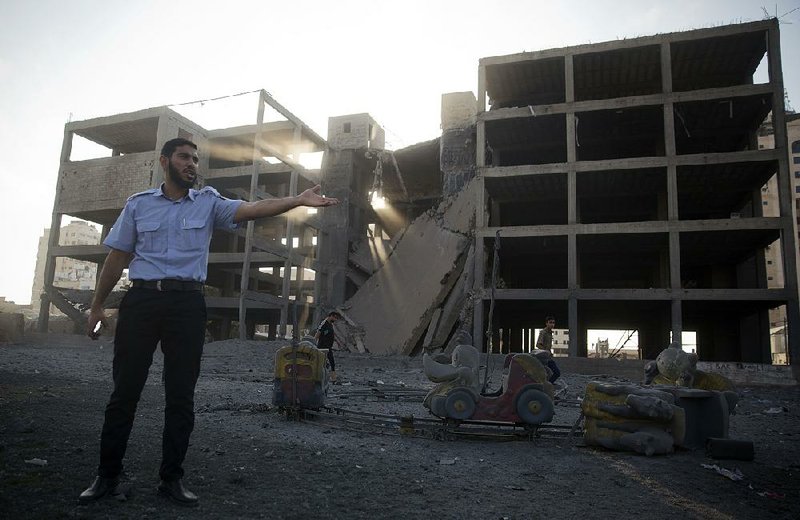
<point>382,394</point>
<point>431,428</point>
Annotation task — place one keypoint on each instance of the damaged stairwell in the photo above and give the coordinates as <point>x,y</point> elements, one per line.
<point>395,306</point>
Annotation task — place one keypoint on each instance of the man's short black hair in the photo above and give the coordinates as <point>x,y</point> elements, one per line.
<point>169,147</point>
<point>548,318</point>
<point>335,315</point>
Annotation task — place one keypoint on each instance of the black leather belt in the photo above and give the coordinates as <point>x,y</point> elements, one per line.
<point>168,285</point>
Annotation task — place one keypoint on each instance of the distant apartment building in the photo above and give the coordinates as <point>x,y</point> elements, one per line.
<point>69,272</point>
<point>770,202</point>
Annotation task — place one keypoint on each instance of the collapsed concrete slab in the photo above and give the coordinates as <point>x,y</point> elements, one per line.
<point>455,309</point>
<point>395,305</point>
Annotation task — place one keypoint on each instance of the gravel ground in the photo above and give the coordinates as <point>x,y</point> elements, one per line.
<point>249,461</point>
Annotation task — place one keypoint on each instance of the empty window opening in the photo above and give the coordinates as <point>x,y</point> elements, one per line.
<point>722,191</point>
<point>720,125</point>
<point>228,112</point>
<point>619,134</point>
<point>528,140</point>
<point>527,200</point>
<point>730,259</point>
<point>519,256</point>
<point>623,261</point>
<point>311,160</point>
<point>618,73</point>
<point>83,149</point>
<point>526,83</point>
<point>613,343</point>
<point>295,242</point>
<point>727,61</point>
<point>622,196</point>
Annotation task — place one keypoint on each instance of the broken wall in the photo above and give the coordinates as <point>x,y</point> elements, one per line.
<point>395,305</point>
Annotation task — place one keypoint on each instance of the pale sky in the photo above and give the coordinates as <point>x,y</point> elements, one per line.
<point>84,58</point>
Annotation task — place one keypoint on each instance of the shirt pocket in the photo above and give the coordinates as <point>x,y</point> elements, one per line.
<point>152,237</point>
<point>192,234</point>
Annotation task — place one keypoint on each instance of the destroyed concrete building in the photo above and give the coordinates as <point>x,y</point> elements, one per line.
<point>622,182</point>
<point>253,272</point>
<point>624,179</point>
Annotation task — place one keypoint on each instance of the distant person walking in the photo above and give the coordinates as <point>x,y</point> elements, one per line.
<point>545,342</point>
<point>325,337</point>
<point>163,236</point>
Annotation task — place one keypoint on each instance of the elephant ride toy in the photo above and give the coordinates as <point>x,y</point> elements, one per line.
<point>525,397</point>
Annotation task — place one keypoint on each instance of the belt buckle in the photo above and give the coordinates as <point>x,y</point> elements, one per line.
<point>158,285</point>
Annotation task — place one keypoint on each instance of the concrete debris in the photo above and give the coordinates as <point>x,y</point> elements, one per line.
<point>349,334</point>
<point>455,309</point>
<point>370,254</point>
<point>395,305</point>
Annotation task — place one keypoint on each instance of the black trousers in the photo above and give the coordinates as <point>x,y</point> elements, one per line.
<point>331,360</point>
<point>556,372</point>
<point>147,316</point>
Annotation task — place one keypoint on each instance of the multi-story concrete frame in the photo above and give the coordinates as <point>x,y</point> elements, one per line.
<point>234,160</point>
<point>625,181</point>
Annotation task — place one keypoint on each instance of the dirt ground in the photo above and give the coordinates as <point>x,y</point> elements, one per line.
<point>248,461</point>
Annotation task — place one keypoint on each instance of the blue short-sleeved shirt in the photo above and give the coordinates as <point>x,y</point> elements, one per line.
<point>170,239</point>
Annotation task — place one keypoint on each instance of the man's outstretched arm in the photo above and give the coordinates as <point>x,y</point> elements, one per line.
<point>115,262</point>
<point>271,207</point>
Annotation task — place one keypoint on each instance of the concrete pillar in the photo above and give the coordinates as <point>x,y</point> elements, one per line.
<point>754,344</point>
<point>480,126</point>
<point>457,144</point>
<point>579,342</point>
<point>248,241</point>
<point>333,242</point>
<point>654,332</point>
<point>250,328</point>
<point>785,197</point>
<point>287,265</point>
<point>516,338</point>
<point>55,232</point>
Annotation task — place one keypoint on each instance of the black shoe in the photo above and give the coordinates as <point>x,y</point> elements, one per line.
<point>101,487</point>
<point>175,491</point>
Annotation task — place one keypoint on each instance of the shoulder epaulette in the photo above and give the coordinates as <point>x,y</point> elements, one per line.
<point>210,190</point>
<point>145,192</point>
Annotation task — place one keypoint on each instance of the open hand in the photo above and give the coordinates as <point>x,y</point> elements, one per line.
<point>312,198</point>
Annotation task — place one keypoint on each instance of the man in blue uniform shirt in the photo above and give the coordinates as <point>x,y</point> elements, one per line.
<point>163,236</point>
